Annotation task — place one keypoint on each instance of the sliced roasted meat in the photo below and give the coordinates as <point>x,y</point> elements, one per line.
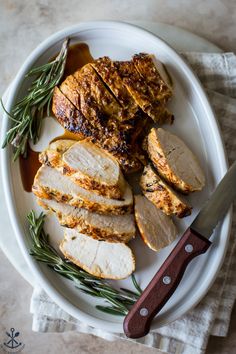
<point>105,131</point>
<point>87,165</point>
<point>130,162</point>
<point>69,117</point>
<point>111,228</point>
<point>174,161</point>
<point>135,85</point>
<point>156,228</point>
<point>52,155</point>
<point>93,92</point>
<point>161,195</point>
<point>89,108</point>
<point>109,74</point>
<point>141,93</point>
<point>74,121</point>
<point>109,103</point>
<point>102,259</point>
<point>70,89</point>
<point>146,65</point>
<point>50,183</point>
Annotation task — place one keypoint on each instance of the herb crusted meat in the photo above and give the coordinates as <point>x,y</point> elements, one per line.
<point>162,195</point>
<point>108,72</point>
<point>87,165</point>
<point>146,65</point>
<point>49,183</point>
<point>110,102</point>
<point>170,156</point>
<point>111,228</point>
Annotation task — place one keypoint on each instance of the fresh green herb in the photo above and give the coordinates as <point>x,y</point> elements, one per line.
<point>27,113</point>
<point>119,301</point>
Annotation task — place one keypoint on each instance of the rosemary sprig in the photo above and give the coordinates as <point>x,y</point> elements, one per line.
<point>27,113</point>
<point>119,301</point>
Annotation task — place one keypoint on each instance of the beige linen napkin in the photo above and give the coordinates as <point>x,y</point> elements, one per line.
<point>190,333</point>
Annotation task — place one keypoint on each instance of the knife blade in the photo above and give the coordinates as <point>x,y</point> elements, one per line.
<point>195,241</point>
<point>217,206</point>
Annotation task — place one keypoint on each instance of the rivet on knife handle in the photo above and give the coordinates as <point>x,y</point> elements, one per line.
<point>138,321</point>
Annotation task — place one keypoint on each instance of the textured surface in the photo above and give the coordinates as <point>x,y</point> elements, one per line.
<point>101,259</point>
<point>49,182</point>
<point>86,165</point>
<point>170,156</point>
<point>23,24</point>
<point>112,228</point>
<point>163,196</point>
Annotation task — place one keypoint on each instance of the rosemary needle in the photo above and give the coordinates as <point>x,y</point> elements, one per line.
<point>27,114</point>
<point>119,300</point>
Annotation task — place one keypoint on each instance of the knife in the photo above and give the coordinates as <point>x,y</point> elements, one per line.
<point>195,241</point>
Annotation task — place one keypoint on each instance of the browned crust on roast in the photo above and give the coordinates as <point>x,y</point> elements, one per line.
<point>69,88</point>
<point>129,163</point>
<point>158,159</point>
<point>92,90</point>
<point>69,117</point>
<point>135,85</point>
<point>117,142</point>
<point>87,269</point>
<point>40,193</point>
<point>89,230</point>
<point>144,64</point>
<point>83,105</point>
<point>99,117</point>
<point>140,92</point>
<point>109,74</point>
<point>160,194</point>
<point>165,116</point>
<point>113,192</point>
<point>47,193</point>
<point>53,158</point>
<point>160,162</point>
<point>50,158</point>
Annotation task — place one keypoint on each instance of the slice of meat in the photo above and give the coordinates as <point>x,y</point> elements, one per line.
<point>161,195</point>
<point>93,89</point>
<point>104,113</point>
<point>91,110</point>
<point>141,93</point>
<point>87,165</point>
<point>130,162</point>
<point>135,85</point>
<point>146,65</point>
<point>156,228</point>
<point>131,119</point>
<point>111,228</point>
<point>74,121</point>
<point>109,74</point>
<point>101,259</point>
<point>174,161</point>
<point>52,155</point>
<point>85,106</point>
<point>50,183</point>
<point>70,89</point>
<point>69,117</point>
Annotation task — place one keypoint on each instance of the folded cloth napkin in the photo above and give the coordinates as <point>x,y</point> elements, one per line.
<point>211,316</point>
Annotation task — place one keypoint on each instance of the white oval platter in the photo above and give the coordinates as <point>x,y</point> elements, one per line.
<point>195,123</point>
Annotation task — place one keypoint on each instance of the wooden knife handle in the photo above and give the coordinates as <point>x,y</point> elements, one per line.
<point>138,321</point>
